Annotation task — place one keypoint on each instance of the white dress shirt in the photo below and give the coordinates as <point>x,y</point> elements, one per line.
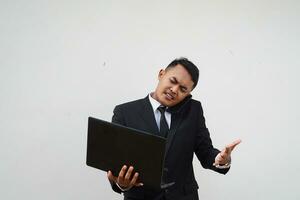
<point>155,105</point>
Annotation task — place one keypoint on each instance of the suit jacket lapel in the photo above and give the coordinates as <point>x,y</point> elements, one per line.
<point>148,116</point>
<point>177,116</point>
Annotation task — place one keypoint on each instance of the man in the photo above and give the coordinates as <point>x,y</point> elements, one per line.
<point>170,112</point>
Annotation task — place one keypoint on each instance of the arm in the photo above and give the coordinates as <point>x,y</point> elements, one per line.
<point>204,149</point>
<point>210,157</point>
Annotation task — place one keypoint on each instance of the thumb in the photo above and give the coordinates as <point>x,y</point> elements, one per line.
<point>111,177</point>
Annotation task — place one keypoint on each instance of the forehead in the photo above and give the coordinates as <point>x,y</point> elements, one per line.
<point>181,74</point>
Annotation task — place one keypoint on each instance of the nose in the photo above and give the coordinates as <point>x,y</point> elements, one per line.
<point>174,89</point>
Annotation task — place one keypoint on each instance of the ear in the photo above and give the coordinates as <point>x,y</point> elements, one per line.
<point>161,74</point>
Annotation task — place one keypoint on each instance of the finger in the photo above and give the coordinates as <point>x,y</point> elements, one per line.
<point>223,157</point>
<point>122,171</point>
<point>134,181</point>
<point>139,184</point>
<point>128,174</point>
<point>111,177</point>
<point>222,160</point>
<point>225,152</point>
<point>134,178</point>
<point>234,144</point>
<point>227,149</point>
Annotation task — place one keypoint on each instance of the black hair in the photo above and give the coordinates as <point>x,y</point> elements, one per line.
<point>189,66</point>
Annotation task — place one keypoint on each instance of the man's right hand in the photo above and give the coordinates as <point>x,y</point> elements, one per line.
<point>126,178</point>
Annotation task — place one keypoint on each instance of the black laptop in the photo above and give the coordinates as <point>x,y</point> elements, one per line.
<point>110,146</point>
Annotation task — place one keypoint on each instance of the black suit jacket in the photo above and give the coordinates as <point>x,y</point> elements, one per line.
<point>188,135</point>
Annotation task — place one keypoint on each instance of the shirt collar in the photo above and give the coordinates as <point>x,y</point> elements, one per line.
<point>177,108</point>
<point>154,103</point>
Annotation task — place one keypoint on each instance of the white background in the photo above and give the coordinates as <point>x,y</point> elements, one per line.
<point>62,61</point>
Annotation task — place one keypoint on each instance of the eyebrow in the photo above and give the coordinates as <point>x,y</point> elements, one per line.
<point>176,81</point>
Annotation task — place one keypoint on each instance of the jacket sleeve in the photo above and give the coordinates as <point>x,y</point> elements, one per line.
<point>204,149</point>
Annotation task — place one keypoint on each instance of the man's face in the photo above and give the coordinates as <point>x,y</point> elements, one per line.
<point>174,85</point>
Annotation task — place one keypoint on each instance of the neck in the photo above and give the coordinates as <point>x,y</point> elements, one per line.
<point>154,96</point>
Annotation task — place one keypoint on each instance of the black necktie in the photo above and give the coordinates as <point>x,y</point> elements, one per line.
<point>164,128</point>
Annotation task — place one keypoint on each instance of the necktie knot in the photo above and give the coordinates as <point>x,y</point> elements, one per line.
<point>162,109</point>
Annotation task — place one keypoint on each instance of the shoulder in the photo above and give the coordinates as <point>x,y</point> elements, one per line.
<point>195,103</point>
<point>196,106</point>
<point>132,104</point>
<point>124,111</point>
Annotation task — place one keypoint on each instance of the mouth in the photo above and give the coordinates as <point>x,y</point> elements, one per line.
<point>169,96</point>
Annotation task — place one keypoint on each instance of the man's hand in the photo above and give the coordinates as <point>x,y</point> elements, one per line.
<point>126,178</point>
<point>224,157</point>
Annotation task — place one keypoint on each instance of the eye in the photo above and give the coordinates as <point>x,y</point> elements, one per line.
<point>172,81</point>
<point>183,90</point>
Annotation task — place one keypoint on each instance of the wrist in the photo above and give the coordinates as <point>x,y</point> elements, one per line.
<point>222,163</point>
<point>123,189</point>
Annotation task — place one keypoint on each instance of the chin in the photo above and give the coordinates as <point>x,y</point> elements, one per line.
<point>168,103</point>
